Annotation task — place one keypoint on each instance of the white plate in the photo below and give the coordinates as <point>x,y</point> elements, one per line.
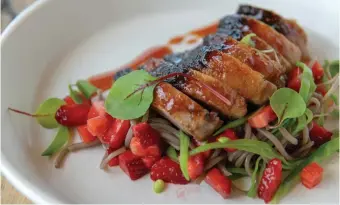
<point>54,43</point>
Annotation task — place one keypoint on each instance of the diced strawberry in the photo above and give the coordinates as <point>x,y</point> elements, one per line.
<point>97,126</point>
<point>295,73</point>
<point>294,79</point>
<point>70,101</point>
<point>115,135</point>
<point>149,161</point>
<point>219,182</point>
<point>262,117</point>
<point>97,109</point>
<point>85,135</point>
<point>321,89</point>
<point>231,135</point>
<point>317,70</point>
<point>319,135</point>
<point>147,135</point>
<point>139,150</point>
<point>167,170</point>
<point>132,165</point>
<point>196,165</point>
<point>114,161</point>
<point>271,180</point>
<point>311,175</point>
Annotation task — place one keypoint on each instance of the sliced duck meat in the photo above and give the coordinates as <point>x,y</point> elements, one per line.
<point>184,113</point>
<point>288,28</point>
<point>248,83</point>
<point>237,26</point>
<point>238,107</point>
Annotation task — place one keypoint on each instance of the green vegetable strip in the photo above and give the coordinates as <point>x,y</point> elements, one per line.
<point>86,88</point>
<point>236,170</point>
<point>172,154</point>
<point>231,124</point>
<point>254,146</point>
<point>58,142</point>
<point>184,154</point>
<point>323,152</point>
<point>74,95</point>
<point>254,181</point>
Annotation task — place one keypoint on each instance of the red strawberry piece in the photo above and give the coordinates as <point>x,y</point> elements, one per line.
<point>70,101</point>
<point>72,115</point>
<point>85,135</point>
<point>271,180</point>
<point>147,135</point>
<point>219,182</point>
<point>319,135</point>
<point>196,165</point>
<point>115,135</point>
<point>132,165</point>
<point>207,153</point>
<point>167,170</point>
<point>139,150</point>
<point>231,135</point>
<point>114,161</point>
<point>97,126</point>
<point>149,161</point>
<point>97,109</point>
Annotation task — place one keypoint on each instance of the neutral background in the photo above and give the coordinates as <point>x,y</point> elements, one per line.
<point>9,195</point>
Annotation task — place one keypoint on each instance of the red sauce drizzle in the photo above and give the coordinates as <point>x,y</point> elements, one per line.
<point>176,40</point>
<point>104,81</point>
<point>192,41</point>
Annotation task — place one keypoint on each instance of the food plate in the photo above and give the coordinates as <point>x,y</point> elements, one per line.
<point>55,43</point>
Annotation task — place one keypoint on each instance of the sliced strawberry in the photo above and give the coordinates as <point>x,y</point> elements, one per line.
<point>231,135</point>
<point>196,165</point>
<point>139,150</point>
<point>319,135</point>
<point>149,161</point>
<point>219,182</point>
<point>317,70</point>
<point>168,171</point>
<point>97,126</point>
<point>85,135</point>
<point>147,135</point>
<point>271,180</point>
<point>132,165</point>
<point>97,109</point>
<point>116,134</point>
<point>262,117</point>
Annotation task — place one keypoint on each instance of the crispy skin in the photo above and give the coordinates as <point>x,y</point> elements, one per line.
<point>288,28</point>
<point>238,107</point>
<point>255,59</point>
<point>185,113</point>
<point>248,83</point>
<point>237,26</point>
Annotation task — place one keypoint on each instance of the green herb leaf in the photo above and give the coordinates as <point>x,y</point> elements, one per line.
<point>334,67</point>
<point>184,154</point>
<point>172,154</point>
<point>49,107</point>
<point>322,153</point>
<point>58,142</point>
<point>86,88</point>
<point>307,82</point>
<point>231,124</point>
<point>303,121</point>
<point>120,106</point>
<point>247,40</point>
<point>254,180</point>
<point>286,103</point>
<point>254,146</point>
<point>74,95</point>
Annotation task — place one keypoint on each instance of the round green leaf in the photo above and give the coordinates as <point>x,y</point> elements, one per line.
<point>120,106</point>
<point>58,142</point>
<point>287,103</point>
<point>49,107</point>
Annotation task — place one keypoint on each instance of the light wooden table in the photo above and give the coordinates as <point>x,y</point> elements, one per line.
<point>9,195</point>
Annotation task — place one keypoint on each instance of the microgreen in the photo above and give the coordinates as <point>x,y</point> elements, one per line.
<point>86,88</point>
<point>231,124</point>
<point>58,142</point>
<point>307,82</point>
<point>286,103</point>
<point>247,40</point>
<point>75,95</point>
<point>184,154</point>
<point>303,121</point>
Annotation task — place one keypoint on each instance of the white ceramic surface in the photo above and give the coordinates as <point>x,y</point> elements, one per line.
<point>54,43</point>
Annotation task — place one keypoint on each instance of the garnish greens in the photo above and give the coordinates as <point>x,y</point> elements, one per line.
<point>322,153</point>
<point>58,142</point>
<point>86,88</point>
<point>121,104</point>
<point>172,154</point>
<point>231,124</point>
<point>307,82</point>
<point>286,103</point>
<point>254,179</point>
<point>303,121</point>
<point>247,40</point>
<point>334,68</point>
<point>75,95</point>
<point>46,112</point>
<point>184,154</point>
